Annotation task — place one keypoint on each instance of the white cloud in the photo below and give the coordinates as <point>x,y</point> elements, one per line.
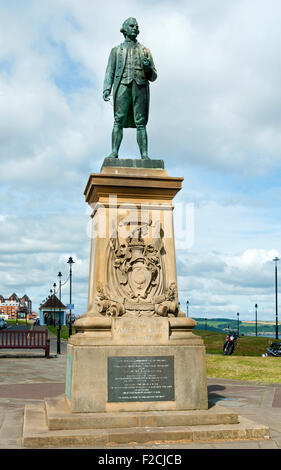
<point>220,285</point>
<point>214,119</point>
<point>216,97</point>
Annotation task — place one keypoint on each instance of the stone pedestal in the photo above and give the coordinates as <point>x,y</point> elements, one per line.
<point>135,371</point>
<point>133,310</point>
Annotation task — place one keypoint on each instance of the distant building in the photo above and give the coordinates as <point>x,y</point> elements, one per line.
<point>52,311</point>
<point>15,307</point>
<point>28,303</point>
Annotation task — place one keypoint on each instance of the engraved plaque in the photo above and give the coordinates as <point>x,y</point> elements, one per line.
<point>141,378</point>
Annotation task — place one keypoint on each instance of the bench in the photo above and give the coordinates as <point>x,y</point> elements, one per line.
<point>13,339</point>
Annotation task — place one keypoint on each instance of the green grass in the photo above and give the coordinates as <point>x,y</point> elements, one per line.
<point>257,369</point>
<point>246,363</point>
<point>64,332</point>
<point>246,346</point>
<point>20,322</point>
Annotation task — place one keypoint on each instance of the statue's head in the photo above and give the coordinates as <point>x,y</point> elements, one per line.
<point>130,28</point>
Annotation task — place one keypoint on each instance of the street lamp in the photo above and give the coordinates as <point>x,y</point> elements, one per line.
<point>238,323</point>
<point>276,298</point>
<point>70,262</point>
<point>54,304</point>
<point>187,306</point>
<point>59,324</point>
<point>40,313</point>
<point>206,324</point>
<point>51,292</point>
<point>256,315</point>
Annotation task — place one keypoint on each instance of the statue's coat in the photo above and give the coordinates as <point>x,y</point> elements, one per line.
<point>115,69</point>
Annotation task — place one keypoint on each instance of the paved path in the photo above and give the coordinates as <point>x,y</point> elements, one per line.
<point>28,377</point>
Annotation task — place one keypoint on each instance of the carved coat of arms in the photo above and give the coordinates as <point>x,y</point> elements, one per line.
<point>135,278</point>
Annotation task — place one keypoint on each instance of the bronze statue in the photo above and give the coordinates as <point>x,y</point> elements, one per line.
<point>130,69</point>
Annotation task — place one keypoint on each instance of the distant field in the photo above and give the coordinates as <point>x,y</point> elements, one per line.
<point>245,327</point>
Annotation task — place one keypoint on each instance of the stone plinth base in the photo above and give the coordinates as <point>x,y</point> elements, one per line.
<point>89,390</point>
<point>129,364</point>
<point>59,416</point>
<point>53,425</point>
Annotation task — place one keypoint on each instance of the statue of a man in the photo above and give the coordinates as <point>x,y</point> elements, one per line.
<point>130,69</point>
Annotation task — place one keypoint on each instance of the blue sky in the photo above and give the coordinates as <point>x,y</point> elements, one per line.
<point>214,119</point>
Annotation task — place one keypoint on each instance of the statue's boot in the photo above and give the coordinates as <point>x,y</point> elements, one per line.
<point>117,136</point>
<point>142,142</point>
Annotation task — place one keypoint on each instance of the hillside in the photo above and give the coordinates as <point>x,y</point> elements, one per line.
<point>245,327</point>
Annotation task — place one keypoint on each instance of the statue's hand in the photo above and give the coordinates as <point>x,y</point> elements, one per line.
<point>106,95</point>
<point>146,62</point>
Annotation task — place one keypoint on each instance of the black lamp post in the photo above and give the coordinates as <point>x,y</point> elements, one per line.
<point>187,306</point>
<point>256,317</point>
<point>51,292</point>
<point>206,324</point>
<point>70,262</point>
<point>238,323</point>
<point>59,324</point>
<point>40,313</point>
<point>276,298</point>
<point>54,304</point>
<point>60,276</point>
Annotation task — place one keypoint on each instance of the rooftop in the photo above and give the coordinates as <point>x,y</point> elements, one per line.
<point>52,302</point>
